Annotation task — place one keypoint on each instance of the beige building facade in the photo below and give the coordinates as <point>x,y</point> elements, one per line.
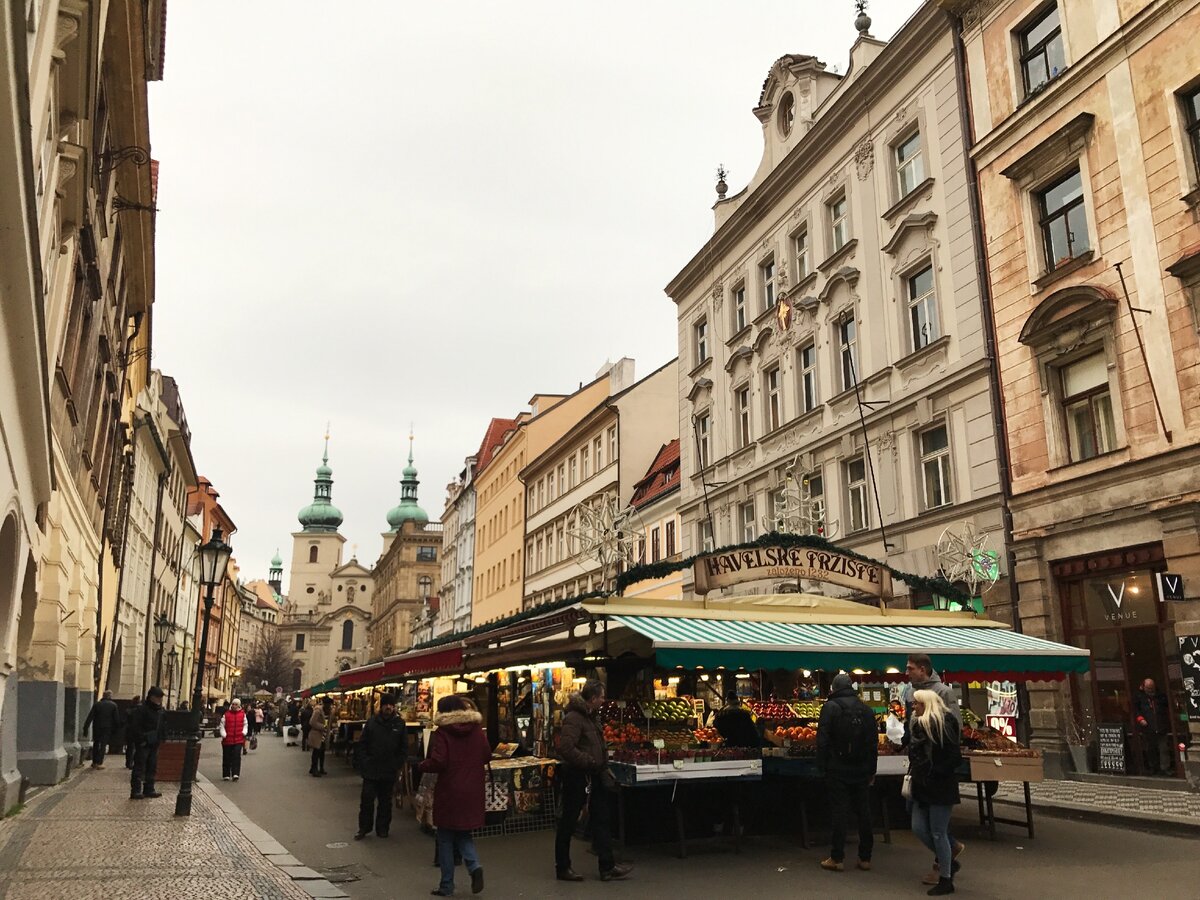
<point>832,326</point>
<point>1087,144</point>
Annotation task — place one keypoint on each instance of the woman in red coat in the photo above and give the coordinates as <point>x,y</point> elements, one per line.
<point>233,737</point>
<point>458,753</point>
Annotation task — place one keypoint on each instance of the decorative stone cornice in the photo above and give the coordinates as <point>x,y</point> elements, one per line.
<point>1069,141</point>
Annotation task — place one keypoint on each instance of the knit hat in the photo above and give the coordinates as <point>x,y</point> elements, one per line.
<point>155,691</point>
<point>842,682</point>
<point>387,700</point>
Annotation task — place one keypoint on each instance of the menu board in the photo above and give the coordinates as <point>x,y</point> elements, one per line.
<point>1189,659</point>
<point>1112,749</point>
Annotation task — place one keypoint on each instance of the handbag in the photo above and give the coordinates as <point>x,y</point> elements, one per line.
<point>906,788</point>
<point>254,742</point>
<point>495,800</point>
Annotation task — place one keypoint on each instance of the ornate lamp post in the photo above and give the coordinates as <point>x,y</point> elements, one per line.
<point>214,559</point>
<point>163,627</point>
<point>172,660</point>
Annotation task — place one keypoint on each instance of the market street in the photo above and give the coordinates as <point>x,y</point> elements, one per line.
<point>307,815</point>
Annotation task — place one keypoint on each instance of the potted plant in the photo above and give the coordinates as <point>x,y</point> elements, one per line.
<point>1080,732</point>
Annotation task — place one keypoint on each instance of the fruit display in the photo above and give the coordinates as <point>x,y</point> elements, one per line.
<point>675,710</point>
<point>797,734</point>
<point>627,733</point>
<point>771,710</point>
<point>807,709</point>
<point>611,711</point>
<point>661,757</point>
<point>707,735</point>
<point>671,735</point>
<point>988,741</point>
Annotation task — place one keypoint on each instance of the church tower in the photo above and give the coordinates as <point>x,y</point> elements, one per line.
<point>317,546</point>
<point>275,579</point>
<point>407,510</point>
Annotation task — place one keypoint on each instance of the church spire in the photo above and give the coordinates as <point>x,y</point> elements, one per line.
<point>408,510</point>
<point>321,514</point>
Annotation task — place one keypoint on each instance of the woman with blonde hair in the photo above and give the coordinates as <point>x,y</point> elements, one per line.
<point>933,756</point>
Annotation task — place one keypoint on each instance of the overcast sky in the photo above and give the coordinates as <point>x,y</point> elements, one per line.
<point>373,213</point>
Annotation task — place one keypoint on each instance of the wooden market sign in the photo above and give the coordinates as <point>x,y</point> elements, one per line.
<point>719,570</point>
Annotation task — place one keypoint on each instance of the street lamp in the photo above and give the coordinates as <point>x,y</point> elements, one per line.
<point>214,560</point>
<point>162,633</point>
<point>172,659</point>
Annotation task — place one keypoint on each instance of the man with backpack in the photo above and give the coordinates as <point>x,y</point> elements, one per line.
<point>848,754</point>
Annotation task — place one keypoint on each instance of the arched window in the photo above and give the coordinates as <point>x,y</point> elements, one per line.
<point>312,554</point>
<point>296,675</point>
<point>348,635</point>
<point>424,587</point>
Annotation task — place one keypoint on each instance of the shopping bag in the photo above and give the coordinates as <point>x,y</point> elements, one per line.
<point>906,788</point>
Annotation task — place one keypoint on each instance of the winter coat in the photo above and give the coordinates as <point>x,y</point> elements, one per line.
<point>145,725</point>
<point>318,726</point>
<point>105,715</point>
<point>458,754</point>
<point>843,703</point>
<point>1154,710</point>
<point>382,748</point>
<point>735,724</point>
<point>932,765</point>
<point>305,716</point>
<point>940,688</point>
<point>233,728</point>
<point>581,741</point>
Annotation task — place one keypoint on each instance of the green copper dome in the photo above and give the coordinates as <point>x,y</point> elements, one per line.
<point>321,515</point>
<point>408,510</point>
<point>276,561</point>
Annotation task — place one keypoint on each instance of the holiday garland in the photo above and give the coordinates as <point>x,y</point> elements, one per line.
<point>530,613</point>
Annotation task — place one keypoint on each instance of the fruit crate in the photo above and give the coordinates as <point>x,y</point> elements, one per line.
<point>640,775</point>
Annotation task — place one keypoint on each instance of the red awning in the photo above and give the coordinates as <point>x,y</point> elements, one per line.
<point>435,660</point>
<point>361,676</point>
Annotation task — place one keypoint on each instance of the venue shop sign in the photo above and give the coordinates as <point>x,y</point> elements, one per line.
<point>719,570</point>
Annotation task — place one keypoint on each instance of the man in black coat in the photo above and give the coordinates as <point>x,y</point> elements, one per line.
<point>103,718</point>
<point>145,731</point>
<point>1152,715</point>
<point>379,754</point>
<point>134,703</point>
<point>848,754</point>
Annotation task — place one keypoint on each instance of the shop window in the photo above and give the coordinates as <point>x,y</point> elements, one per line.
<point>856,494</point>
<point>1063,220</point>
<point>1042,57</point>
<point>935,466</point>
<point>922,309</point>
<point>1087,407</point>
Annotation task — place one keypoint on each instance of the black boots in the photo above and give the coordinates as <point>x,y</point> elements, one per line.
<point>944,886</point>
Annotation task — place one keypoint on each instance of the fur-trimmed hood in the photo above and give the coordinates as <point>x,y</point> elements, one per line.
<point>460,722</point>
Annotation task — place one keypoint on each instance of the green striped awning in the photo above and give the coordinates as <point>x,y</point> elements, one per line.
<point>985,652</point>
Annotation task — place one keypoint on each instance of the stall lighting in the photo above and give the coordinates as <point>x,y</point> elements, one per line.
<point>704,677</point>
<point>892,670</point>
<point>741,676</point>
<point>807,673</point>
<point>674,679</point>
<point>860,671</point>
<point>542,665</point>
<point>461,687</point>
<point>579,680</point>
<point>481,680</point>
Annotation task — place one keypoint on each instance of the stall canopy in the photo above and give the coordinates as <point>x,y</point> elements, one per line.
<point>434,661</point>
<point>323,688</point>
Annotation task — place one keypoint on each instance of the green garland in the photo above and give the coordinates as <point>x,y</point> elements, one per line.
<point>649,571</point>
<point>530,613</point>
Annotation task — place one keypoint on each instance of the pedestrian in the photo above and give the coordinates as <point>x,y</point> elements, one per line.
<point>586,780</point>
<point>380,753</point>
<point>318,733</point>
<point>458,753</point>
<point>145,731</point>
<point>934,752</point>
<point>104,718</point>
<point>736,725</point>
<point>848,755</point>
<point>233,728</point>
<point>922,677</point>
<point>134,703</point>
<point>305,725</point>
<point>1153,719</point>
<point>259,716</point>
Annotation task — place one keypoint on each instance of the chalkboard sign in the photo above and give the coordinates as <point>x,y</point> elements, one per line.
<point>1112,749</point>
<point>1189,658</point>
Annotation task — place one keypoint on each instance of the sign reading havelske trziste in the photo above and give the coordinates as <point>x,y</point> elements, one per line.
<point>719,570</point>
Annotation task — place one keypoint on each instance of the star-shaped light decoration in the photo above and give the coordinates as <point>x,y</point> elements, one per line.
<point>606,533</point>
<point>797,511</point>
<point>964,556</point>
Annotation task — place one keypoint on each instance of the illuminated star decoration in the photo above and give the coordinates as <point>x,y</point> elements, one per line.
<point>965,557</point>
<point>797,511</point>
<point>606,533</point>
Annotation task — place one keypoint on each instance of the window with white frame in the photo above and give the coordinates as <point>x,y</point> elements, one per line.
<point>598,453</point>
<point>1087,407</point>
<point>801,253</point>
<point>1063,220</point>
<point>670,539</point>
<point>847,338</point>
<point>746,518</point>
<point>934,445</point>
<point>704,535</point>
<point>922,309</point>
<point>839,225</point>
<point>740,318</point>
<point>550,495</point>
<point>741,407</point>
<point>814,484</point>
<point>541,553</point>
<point>561,543</point>
<point>572,471</point>
<point>766,275</point>
<point>1041,45</point>
<point>585,463</point>
<point>701,337</point>
<point>549,547</point>
<point>541,493</point>
<point>806,366</point>
<point>703,427</point>
<point>910,168</point>
<point>774,399</point>
<point>562,478</point>
<point>612,444</point>
<point>856,494</point>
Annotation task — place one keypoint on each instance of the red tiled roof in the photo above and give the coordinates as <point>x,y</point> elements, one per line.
<point>492,439</point>
<point>661,478</point>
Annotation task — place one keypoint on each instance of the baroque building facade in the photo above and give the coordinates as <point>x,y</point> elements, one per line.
<point>458,552</point>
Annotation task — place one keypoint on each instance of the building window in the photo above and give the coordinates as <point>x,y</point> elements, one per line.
<point>529,557</point>
<point>612,444</point>
<point>424,587</point>
<point>598,453</point>
<point>572,472</point>
<point>585,463</point>
<point>550,485</point>
<point>1087,406</point>
<point>297,674</point>
<point>774,399</point>
<point>746,518</point>
<point>312,554</point>
<point>562,478</point>
<point>815,486</point>
<point>741,403</point>
<point>561,543</point>
<point>703,426</point>
<point>655,549</point>
<point>299,642</point>
<point>935,466</point>
<point>541,554</point>
<point>839,226</point>
<point>1063,220</point>
<point>1042,58</point>
<point>807,358</point>
<point>426,554</point>
<point>766,272</point>
<point>348,635</point>
<point>704,535</point>
<point>856,494</point>
<point>922,309</point>
<point>739,308</point>
<point>1191,115</point>
<point>847,334</point>
<point>800,251</point>
<point>670,539</point>
<point>910,170</point>
<point>701,332</point>
<point>541,493</point>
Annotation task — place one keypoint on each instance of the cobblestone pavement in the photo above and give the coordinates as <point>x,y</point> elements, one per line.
<point>1135,802</point>
<point>86,839</point>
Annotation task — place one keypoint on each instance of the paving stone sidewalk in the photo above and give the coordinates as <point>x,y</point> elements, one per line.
<point>1135,804</point>
<point>85,839</point>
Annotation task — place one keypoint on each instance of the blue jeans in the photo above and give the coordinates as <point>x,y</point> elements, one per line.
<point>931,825</point>
<point>451,842</point>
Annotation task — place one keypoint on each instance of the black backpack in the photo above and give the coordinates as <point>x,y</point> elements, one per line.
<point>855,734</point>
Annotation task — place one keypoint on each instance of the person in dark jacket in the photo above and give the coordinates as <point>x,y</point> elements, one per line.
<point>104,718</point>
<point>585,762</point>
<point>1153,719</point>
<point>736,725</point>
<point>134,703</point>
<point>458,753</point>
<point>305,718</point>
<point>849,767</point>
<point>934,752</point>
<point>380,753</point>
<point>145,731</point>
